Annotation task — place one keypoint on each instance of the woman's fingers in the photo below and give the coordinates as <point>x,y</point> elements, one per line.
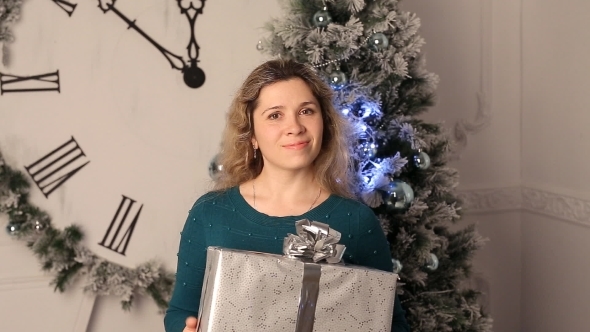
<point>191,325</point>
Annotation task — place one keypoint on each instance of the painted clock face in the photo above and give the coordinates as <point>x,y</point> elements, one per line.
<point>114,110</point>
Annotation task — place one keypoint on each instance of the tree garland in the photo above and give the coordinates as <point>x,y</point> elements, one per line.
<point>9,15</point>
<point>60,252</point>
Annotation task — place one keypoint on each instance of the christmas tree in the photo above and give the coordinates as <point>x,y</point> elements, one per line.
<point>369,51</point>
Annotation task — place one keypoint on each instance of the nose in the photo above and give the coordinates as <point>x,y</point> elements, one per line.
<point>295,125</point>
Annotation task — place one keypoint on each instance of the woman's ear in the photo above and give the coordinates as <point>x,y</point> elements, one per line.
<point>254,143</point>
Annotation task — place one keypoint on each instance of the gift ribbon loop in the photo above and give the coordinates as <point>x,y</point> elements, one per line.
<point>314,240</point>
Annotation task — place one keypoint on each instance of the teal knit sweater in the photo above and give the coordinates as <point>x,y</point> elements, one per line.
<point>225,219</point>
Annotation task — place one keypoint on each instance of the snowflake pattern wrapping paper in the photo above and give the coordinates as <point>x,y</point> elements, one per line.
<point>252,291</point>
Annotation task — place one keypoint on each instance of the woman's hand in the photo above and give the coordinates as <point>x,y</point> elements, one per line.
<point>191,325</point>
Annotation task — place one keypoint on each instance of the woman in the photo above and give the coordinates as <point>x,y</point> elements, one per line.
<point>285,157</point>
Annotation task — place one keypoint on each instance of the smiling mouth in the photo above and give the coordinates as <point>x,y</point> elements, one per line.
<point>296,146</point>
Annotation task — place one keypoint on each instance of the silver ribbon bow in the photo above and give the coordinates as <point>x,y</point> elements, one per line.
<point>314,240</point>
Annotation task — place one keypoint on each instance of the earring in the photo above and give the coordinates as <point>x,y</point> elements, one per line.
<point>255,152</point>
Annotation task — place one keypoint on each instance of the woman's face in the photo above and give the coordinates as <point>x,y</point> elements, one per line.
<point>288,125</point>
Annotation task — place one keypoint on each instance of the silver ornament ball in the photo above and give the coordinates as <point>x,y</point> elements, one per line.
<point>432,263</point>
<point>322,18</point>
<point>378,41</point>
<point>400,195</point>
<point>422,160</point>
<point>397,265</point>
<point>338,79</point>
<point>214,167</point>
<point>12,228</point>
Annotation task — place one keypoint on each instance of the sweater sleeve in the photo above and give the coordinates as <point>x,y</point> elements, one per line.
<point>373,251</point>
<point>190,269</point>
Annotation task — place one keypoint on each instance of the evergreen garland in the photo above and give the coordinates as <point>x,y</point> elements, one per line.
<point>9,14</point>
<point>61,253</point>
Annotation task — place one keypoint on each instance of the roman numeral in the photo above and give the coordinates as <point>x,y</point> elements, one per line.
<point>66,6</point>
<point>35,83</point>
<point>56,167</point>
<point>126,203</point>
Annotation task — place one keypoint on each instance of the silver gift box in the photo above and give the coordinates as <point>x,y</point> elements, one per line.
<point>252,291</point>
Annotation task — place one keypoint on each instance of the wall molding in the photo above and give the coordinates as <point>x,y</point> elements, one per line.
<point>491,199</point>
<point>525,198</point>
<point>24,282</point>
<point>553,204</point>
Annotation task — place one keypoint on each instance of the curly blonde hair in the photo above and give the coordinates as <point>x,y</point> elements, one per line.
<point>332,167</point>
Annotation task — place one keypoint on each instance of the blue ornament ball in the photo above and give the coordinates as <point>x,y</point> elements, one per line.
<point>422,160</point>
<point>12,228</point>
<point>400,195</point>
<point>338,79</point>
<point>322,18</point>
<point>368,150</point>
<point>432,263</point>
<point>215,167</point>
<point>397,265</point>
<point>378,41</point>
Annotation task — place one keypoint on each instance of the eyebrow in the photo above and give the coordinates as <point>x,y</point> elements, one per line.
<point>305,103</point>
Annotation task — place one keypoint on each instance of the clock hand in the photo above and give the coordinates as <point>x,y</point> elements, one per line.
<point>175,61</point>
<point>194,76</point>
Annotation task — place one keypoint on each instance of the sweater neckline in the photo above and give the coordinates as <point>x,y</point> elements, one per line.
<point>242,206</point>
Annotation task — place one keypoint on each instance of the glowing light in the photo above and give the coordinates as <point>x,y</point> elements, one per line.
<point>366,111</point>
<point>369,109</point>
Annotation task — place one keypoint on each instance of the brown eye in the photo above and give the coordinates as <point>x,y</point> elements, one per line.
<point>274,116</point>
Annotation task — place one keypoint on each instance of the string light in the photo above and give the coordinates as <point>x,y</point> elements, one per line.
<point>343,58</point>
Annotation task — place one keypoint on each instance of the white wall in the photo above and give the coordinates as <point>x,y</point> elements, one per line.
<point>474,46</point>
<point>555,98</point>
<point>523,176</point>
<point>555,162</point>
<point>555,275</point>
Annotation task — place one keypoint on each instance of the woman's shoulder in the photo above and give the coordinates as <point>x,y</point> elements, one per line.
<point>351,205</point>
<point>353,216</point>
<point>214,197</point>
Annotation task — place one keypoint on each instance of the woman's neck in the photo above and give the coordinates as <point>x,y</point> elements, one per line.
<point>279,195</point>
<point>286,184</point>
